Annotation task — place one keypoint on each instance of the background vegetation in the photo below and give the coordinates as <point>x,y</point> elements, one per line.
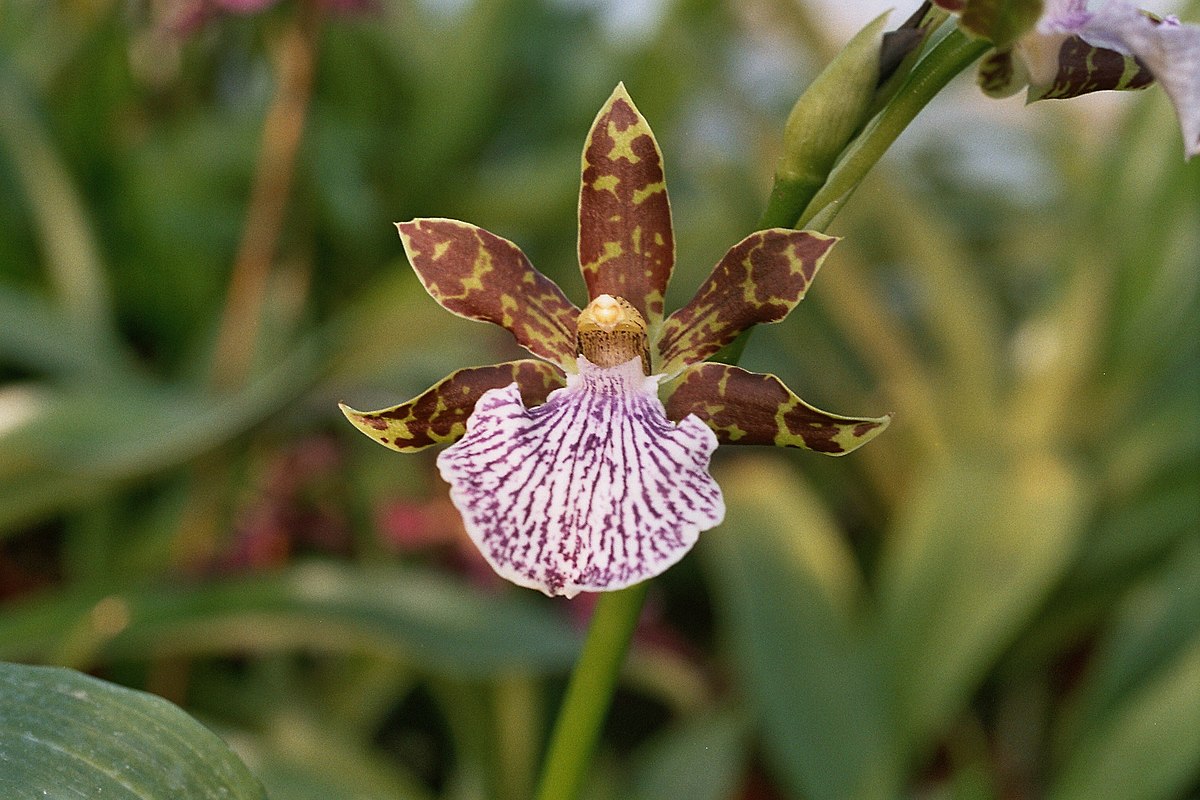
<point>998,598</point>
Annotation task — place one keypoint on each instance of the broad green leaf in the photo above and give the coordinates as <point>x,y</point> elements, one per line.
<point>786,589</point>
<point>981,542</point>
<point>70,250</point>
<point>88,440</point>
<point>296,759</point>
<point>427,619</point>
<point>39,337</point>
<point>1155,624</point>
<point>65,734</point>
<point>1147,748</point>
<point>1139,530</point>
<point>700,759</point>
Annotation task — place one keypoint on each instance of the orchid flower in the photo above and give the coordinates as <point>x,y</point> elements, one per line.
<point>188,16</point>
<point>588,470</point>
<point>1072,50</point>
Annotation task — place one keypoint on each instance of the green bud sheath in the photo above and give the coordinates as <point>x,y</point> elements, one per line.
<point>827,116</point>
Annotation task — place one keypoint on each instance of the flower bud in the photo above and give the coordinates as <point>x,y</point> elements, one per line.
<point>826,117</point>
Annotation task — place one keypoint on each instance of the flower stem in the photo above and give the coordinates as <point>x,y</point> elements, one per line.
<point>589,693</point>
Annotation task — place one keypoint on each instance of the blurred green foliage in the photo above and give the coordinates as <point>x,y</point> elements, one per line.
<point>1000,597</point>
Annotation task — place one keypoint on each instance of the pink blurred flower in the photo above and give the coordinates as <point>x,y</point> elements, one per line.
<point>190,15</point>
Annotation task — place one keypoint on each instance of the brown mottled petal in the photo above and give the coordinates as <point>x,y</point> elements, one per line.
<point>998,75</point>
<point>439,415</point>
<point>1083,68</point>
<point>749,408</point>
<point>481,276</point>
<point>760,279</point>
<point>626,246</point>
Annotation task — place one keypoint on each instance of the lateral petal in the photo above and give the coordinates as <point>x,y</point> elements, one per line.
<point>481,276</point>
<point>595,490</point>
<point>1078,68</point>
<point>750,408</point>
<point>1170,51</point>
<point>626,244</point>
<point>760,279</point>
<point>439,414</point>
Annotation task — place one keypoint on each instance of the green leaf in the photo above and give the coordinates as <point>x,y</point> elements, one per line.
<point>787,589</point>
<point>65,734</point>
<point>984,538</point>
<point>53,341</point>
<point>88,439</point>
<point>1148,748</point>
<point>1152,629</point>
<point>701,759</point>
<point>427,619</point>
<point>69,246</point>
<point>298,759</point>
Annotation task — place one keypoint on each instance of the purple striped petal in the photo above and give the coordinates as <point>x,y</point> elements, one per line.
<point>594,490</point>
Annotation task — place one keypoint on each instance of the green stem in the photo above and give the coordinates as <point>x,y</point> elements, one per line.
<point>949,57</point>
<point>590,692</point>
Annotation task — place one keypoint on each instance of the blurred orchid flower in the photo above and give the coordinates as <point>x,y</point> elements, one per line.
<point>1072,50</point>
<point>571,474</point>
<point>190,15</point>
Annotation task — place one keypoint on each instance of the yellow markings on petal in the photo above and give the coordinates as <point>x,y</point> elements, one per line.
<point>622,142</point>
<point>650,189</point>
<point>732,433</point>
<point>606,183</point>
<point>508,306</point>
<point>611,250</point>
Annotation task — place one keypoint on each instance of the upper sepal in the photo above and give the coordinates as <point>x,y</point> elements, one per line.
<point>750,408</point>
<point>479,275</point>
<point>439,415</point>
<point>626,244</point>
<point>760,279</point>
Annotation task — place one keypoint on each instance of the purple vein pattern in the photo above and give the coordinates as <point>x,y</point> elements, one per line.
<point>593,490</point>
